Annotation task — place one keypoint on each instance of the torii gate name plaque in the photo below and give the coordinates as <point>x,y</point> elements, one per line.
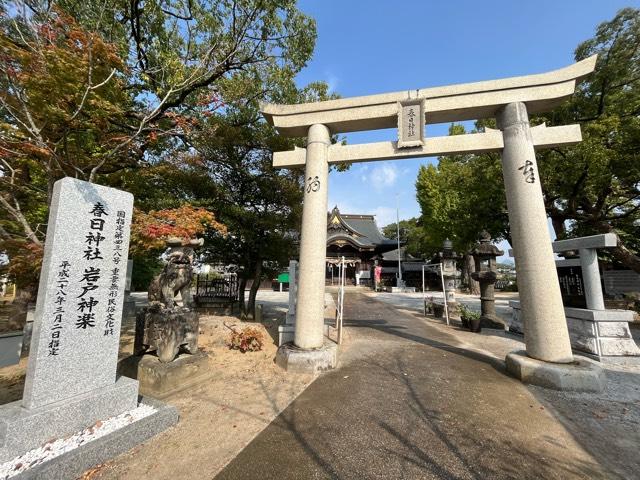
<point>410,123</point>
<point>508,100</point>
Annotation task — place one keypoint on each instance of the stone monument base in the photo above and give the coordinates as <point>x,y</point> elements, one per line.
<point>73,463</point>
<point>582,375</point>
<point>287,332</point>
<point>601,334</point>
<point>24,429</point>
<point>297,360</point>
<point>159,379</point>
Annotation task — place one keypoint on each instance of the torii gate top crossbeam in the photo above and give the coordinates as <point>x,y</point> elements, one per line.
<point>468,101</point>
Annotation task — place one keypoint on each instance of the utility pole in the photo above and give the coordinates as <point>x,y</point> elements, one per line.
<point>400,282</point>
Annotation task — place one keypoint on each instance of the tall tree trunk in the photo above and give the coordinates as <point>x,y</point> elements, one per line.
<point>558,227</point>
<point>251,306</point>
<point>621,253</point>
<point>470,267</point>
<point>241,287</point>
<point>626,257</point>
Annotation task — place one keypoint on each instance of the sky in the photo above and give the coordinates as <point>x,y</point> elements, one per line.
<point>366,47</point>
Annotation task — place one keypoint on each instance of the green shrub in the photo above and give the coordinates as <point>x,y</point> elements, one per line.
<point>468,314</point>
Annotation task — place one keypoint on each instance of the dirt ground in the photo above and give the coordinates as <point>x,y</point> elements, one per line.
<point>219,414</point>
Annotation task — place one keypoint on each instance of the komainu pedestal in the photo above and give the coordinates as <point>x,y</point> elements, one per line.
<point>168,331</point>
<point>164,326</point>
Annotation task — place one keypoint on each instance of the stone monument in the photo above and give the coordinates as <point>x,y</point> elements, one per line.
<point>71,380</point>
<point>484,256</point>
<point>286,331</point>
<point>129,304</point>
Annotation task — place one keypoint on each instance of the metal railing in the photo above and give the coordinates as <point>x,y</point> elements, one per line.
<point>444,290</point>
<point>216,289</point>
<point>342,268</point>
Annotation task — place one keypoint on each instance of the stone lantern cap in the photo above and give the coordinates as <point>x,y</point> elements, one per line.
<point>447,251</point>
<point>485,248</point>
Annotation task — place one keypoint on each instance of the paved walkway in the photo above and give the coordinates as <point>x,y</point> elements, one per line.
<point>408,403</point>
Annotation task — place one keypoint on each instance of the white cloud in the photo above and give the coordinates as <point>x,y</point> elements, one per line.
<point>384,216</point>
<point>332,81</point>
<point>382,176</point>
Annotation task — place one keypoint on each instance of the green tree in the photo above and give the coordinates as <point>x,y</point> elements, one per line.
<point>225,165</point>
<point>588,188</point>
<point>260,206</point>
<point>460,197</point>
<point>118,92</point>
<point>412,236</point>
<point>594,186</point>
<point>61,84</point>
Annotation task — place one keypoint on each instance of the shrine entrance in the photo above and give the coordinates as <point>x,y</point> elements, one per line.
<point>357,239</point>
<point>509,101</point>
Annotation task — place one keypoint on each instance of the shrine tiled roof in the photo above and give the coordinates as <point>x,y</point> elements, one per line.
<point>360,230</point>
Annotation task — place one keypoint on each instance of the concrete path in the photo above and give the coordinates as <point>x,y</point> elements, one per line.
<point>415,301</point>
<point>407,402</point>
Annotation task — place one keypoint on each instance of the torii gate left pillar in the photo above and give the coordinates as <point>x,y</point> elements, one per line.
<point>548,360</point>
<point>309,333</point>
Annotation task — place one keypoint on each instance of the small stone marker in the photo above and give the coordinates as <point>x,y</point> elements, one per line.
<point>78,312</point>
<point>411,123</point>
<point>597,331</point>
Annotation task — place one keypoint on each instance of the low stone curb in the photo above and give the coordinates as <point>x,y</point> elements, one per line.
<point>71,465</point>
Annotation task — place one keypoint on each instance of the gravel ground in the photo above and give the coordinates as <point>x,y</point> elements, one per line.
<point>55,448</point>
<point>414,301</point>
<point>246,392</point>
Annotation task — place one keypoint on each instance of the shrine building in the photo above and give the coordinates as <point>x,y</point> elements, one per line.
<point>358,239</point>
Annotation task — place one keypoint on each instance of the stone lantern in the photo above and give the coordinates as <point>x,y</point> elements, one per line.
<point>448,258</point>
<point>484,255</point>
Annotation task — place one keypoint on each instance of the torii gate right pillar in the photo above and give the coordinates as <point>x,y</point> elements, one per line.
<point>545,327</point>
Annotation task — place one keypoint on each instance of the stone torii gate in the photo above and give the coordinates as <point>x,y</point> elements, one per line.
<point>510,101</point>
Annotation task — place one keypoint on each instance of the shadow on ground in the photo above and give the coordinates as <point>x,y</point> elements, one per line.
<point>414,405</point>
